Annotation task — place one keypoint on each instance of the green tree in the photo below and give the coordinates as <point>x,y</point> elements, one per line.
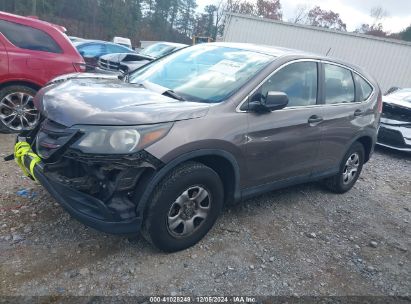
<point>406,34</point>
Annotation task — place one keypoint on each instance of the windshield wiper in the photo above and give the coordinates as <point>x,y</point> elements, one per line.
<point>158,88</point>
<point>172,94</point>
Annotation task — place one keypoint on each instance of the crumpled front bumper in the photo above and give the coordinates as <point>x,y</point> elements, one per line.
<point>85,208</point>
<point>395,136</point>
<point>88,209</point>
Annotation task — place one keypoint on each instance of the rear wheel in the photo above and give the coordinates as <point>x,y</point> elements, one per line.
<point>17,111</point>
<point>183,207</point>
<point>350,170</point>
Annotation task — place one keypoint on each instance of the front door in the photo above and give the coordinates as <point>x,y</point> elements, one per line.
<point>283,144</point>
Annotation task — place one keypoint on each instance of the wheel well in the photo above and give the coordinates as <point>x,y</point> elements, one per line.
<point>225,170</point>
<point>22,83</point>
<point>366,141</point>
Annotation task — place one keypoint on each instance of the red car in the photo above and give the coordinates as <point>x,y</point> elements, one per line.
<point>32,52</point>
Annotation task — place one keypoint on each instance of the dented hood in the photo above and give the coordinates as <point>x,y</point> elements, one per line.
<point>111,102</point>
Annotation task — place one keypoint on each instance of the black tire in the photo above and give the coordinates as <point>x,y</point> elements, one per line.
<point>156,228</point>
<point>339,183</point>
<point>10,90</point>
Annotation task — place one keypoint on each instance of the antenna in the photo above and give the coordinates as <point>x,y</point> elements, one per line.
<point>329,50</point>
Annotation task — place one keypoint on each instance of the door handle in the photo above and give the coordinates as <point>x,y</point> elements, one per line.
<point>358,113</point>
<point>315,119</point>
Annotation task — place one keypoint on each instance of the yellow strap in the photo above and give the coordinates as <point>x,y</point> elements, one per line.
<point>22,149</point>
<point>35,159</point>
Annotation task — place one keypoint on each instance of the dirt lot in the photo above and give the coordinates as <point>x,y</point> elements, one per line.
<point>298,241</point>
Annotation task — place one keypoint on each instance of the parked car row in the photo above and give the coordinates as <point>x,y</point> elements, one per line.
<point>126,62</point>
<point>110,57</point>
<point>92,50</point>
<point>32,52</point>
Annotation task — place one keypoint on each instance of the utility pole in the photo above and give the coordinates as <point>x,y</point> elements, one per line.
<point>34,8</point>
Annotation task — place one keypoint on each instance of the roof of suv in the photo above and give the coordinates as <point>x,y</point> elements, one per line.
<point>173,44</point>
<point>265,49</point>
<point>31,20</point>
<point>280,51</point>
<point>85,42</point>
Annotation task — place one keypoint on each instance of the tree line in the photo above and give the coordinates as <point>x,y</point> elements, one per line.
<point>175,20</point>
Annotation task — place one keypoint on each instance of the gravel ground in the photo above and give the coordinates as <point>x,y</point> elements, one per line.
<point>300,241</point>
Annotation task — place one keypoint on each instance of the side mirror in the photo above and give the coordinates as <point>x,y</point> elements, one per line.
<point>276,100</point>
<point>272,101</point>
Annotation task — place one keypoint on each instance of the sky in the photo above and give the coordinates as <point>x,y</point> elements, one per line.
<point>352,12</point>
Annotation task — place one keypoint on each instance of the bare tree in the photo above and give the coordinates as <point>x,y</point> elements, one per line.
<point>378,14</point>
<point>300,14</point>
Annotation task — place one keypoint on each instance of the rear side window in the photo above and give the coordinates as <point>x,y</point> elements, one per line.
<point>363,88</point>
<point>339,85</point>
<point>26,37</point>
<point>298,81</point>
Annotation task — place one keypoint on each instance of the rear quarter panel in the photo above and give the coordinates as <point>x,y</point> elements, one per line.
<point>341,130</point>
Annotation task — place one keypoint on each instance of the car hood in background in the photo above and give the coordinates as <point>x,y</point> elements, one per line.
<point>396,111</point>
<point>85,101</point>
<point>70,76</point>
<point>126,57</point>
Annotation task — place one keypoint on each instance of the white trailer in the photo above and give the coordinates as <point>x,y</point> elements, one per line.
<point>388,60</point>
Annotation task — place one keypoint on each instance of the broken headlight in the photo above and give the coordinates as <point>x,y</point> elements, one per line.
<point>119,140</point>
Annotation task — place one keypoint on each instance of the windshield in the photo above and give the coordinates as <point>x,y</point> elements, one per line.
<point>157,50</point>
<point>203,73</point>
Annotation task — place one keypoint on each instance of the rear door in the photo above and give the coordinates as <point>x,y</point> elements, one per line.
<point>283,144</point>
<point>4,61</point>
<point>344,114</point>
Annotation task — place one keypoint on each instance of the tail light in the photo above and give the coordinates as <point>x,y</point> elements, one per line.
<point>380,103</point>
<point>79,67</point>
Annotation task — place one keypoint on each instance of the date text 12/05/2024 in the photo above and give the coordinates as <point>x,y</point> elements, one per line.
<point>202,299</point>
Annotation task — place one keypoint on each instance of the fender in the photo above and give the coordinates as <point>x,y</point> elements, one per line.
<point>34,84</point>
<point>364,133</point>
<point>181,159</point>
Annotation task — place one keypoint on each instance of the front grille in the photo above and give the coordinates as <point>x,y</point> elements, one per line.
<point>390,137</point>
<point>52,137</point>
<point>109,65</point>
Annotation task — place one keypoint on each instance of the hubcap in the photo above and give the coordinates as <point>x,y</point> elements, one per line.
<point>351,168</point>
<point>17,112</point>
<point>188,212</point>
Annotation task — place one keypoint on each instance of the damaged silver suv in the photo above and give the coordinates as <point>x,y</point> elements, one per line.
<point>163,149</point>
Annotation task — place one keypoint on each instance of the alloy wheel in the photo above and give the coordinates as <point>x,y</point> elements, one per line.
<point>17,111</point>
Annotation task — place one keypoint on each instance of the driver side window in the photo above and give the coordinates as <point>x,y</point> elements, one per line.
<point>298,80</point>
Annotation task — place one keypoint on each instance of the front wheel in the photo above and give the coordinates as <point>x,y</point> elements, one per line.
<point>183,208</point>
<point>17,111</point>
<point>350,170</point>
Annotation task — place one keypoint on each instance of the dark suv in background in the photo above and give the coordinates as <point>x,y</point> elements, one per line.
<point>166,147</point>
